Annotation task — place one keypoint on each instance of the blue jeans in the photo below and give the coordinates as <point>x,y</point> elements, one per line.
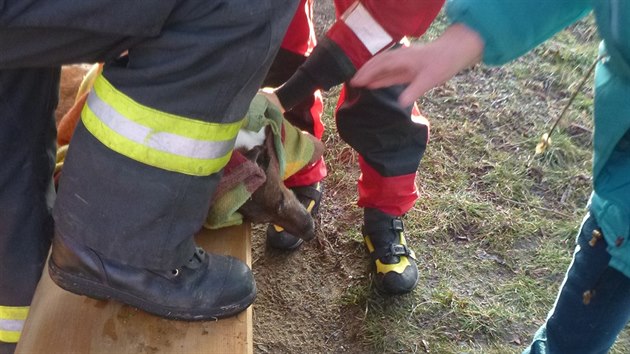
<point>576,325</point>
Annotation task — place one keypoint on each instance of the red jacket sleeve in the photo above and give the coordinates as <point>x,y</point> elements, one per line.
<point>366,27</point>
<point>363,28</point>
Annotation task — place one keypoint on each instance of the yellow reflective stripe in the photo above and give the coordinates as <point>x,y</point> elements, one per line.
<point>11,322</point>
<point>156,138</point>
<point>162,121</point>
<point>11,332</point>
<point>140,152</point>
<point>13,312</point>
<point>9,336</point>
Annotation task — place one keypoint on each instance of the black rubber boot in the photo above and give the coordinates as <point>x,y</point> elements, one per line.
<point>310,197</point>
<point>394,266</point>
<point>208,287</point>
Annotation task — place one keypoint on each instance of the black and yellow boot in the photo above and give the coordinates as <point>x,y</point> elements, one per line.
<point>394,266</point>
<point>310,196</point>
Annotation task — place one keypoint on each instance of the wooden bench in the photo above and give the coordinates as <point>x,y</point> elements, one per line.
<point>62,322</point>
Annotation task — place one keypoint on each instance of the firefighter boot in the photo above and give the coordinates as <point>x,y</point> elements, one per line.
<point>394,268</point>
<point>207,287</point>
<point>310,196</point>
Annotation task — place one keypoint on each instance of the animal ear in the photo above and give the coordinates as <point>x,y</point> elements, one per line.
<point>259,155</point>
<point>252,154</point>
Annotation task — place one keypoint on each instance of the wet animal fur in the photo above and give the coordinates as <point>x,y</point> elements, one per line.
<point>273,202</point>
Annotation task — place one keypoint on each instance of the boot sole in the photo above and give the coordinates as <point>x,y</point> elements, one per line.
<point>89,288</point>
<point>399,291</point>
<point>283,248</point>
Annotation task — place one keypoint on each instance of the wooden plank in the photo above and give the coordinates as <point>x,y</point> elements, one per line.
<point>62,322</point>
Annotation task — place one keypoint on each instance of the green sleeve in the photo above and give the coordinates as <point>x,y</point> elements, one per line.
<point>510,28</point>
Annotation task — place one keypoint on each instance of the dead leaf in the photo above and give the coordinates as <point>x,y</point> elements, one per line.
<point>425,344</point>
<point>544,143</point>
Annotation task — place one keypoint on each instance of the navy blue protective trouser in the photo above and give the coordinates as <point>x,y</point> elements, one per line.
<point>202,59</point>
<point>28,98</point>
<point>593,305</point>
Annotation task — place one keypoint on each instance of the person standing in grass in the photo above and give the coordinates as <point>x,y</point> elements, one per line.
<point>593,304</point>
<point>390,138</point>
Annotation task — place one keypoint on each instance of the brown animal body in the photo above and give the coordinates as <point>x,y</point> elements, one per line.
<point>71,77</point>
<point>272,202</point>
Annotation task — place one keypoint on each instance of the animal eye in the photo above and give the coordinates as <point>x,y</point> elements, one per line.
<point>281,202</point>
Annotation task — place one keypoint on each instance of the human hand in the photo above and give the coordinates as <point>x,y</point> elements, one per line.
<point>271,96</point>
<point>423,66</point>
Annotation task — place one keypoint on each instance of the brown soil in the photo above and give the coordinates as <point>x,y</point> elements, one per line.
<point>300,306</point>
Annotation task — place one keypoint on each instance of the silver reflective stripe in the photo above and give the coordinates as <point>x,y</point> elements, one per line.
<point>11,325</point>
<point>158,140</point>
<point>370,32</point>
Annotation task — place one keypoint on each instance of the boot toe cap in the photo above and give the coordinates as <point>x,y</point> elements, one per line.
<point>239,288</point>
<point>282,240</point>
<point>398,283</point>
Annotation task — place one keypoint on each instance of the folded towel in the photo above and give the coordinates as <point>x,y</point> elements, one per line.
<point>288,149</point>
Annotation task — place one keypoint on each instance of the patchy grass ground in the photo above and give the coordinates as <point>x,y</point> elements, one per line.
<point>493,231</point>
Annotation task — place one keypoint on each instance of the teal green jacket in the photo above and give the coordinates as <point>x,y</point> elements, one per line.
<point>511,28</point>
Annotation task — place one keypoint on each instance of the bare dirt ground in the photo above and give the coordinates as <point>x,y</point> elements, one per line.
<point>300,306</point>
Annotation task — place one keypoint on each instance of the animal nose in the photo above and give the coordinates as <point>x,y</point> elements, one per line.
<point>308,229</point>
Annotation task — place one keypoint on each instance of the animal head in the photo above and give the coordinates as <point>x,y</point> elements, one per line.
<point>275,203</point>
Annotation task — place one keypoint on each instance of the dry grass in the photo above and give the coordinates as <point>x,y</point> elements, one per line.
<point>495,226</point>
